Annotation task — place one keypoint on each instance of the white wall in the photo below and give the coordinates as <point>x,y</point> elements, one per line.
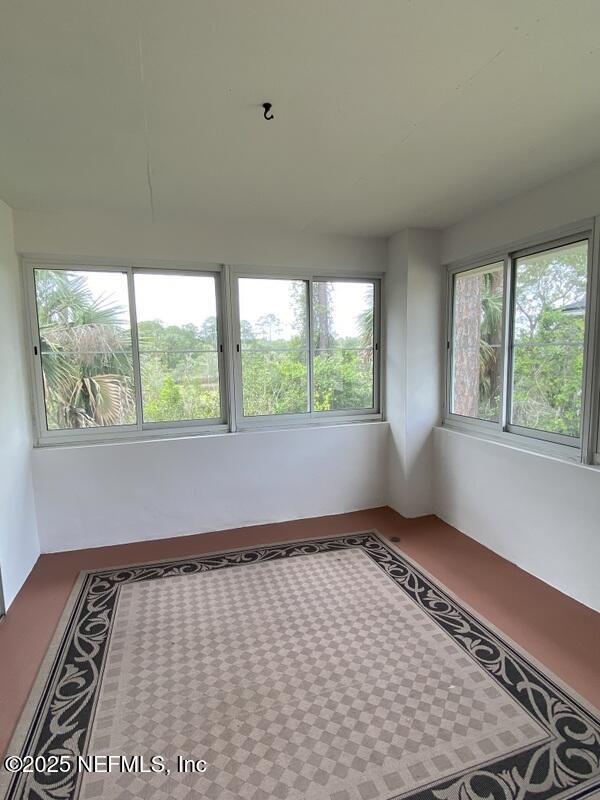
<point>89,496</point>
<point>19,548</point>
<point>113,493</point>
<point>120,238</point>
<point>413,314</point>
<point>571,198</point>
<point>539,512</point>
<point>395,316</point>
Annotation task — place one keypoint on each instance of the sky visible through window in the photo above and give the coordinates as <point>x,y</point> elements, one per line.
<point>264,297</point>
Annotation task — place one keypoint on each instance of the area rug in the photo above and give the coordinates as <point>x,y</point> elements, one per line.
<point>329,669</point>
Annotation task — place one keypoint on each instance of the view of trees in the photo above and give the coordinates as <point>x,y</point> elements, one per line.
<point>477,343</point>
<point>275,356</point>
<point>549,322</point>
<point>86,352</point>
<point>550,299</point>
<point>180,371</point>
<point>343,365</point>
<point>274,344</point>
<point>87,359</point>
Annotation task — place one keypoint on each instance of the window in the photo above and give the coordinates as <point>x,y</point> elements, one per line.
<point>307,347</point>
<point>94,373</point>
<point>273,346</point>
<point>85,348</point>
<point>124,351</point>
<point>178,345</point>
<point>518,344</point>
<point>550,298</point>
<point>343,345</point>
<point>477,315</point>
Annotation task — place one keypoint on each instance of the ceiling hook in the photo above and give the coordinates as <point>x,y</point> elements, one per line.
<point>267,109</point>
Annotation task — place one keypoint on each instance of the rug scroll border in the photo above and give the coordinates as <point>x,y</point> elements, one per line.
<point>504,637</point>
<point>39,689</point>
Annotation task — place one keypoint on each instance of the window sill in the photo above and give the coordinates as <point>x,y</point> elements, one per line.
<point>319,420</point>
<point>220,431</point>
<point>524,444</point>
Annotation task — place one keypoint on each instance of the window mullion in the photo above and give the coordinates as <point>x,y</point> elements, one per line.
<point>507,326</point>
<point>231,329</point>
<point>36,349</point>
<point>590,412</point>
<point>310,348</point>
<point>236,350</point>
<point>221,349</point>
<point>135,351</point>
<point>376,346</point>
<point>449,344</point>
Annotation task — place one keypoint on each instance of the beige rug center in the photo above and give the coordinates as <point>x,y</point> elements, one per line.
<point>305,678</point>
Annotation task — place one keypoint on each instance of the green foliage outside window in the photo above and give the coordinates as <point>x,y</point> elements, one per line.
<point>86,354</point>
<point>179,366</point>
<point>548,341</point>
<point>550,300</point>
<point>88,367</point>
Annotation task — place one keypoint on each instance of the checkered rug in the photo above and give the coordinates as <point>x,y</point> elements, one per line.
<point>326,670</point>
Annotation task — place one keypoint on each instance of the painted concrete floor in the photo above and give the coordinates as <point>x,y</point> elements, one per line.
<point>559,631</point>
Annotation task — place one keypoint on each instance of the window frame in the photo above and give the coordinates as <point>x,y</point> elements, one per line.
<point>140,429</point>
<point>585,448</point>
<point>311,417</point>
<point>229,360</point>
<point>591,451</point>
<point>489,424</point>
<point>219,311</point>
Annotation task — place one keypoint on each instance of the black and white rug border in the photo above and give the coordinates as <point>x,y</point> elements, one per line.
<point>558,768</point>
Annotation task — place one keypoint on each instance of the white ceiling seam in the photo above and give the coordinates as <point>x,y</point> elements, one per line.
<point>146,130</point>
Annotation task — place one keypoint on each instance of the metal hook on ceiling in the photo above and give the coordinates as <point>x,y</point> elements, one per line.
<point>267,111</point>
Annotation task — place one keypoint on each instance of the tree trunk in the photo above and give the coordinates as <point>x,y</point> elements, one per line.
<point>322,310</point>
<point>467,332</point>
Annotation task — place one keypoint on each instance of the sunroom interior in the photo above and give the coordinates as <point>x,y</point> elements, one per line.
<point>369,309</point>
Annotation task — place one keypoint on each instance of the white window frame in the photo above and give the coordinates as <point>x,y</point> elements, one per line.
<point>591,452</point>
<point>584,449</point>
<point>459,419</point>
<point>140,429</point>
<point>229,359</point>
<point>311,417</point>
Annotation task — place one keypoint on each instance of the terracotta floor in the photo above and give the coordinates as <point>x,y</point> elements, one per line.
<point>559,631</point>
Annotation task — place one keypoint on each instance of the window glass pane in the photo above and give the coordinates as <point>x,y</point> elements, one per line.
<point>548,338</point>
<point>274,345</point>
<point>477,343</point>
<point>343,318</point>
<point>85,337</point>
<point>177,336</point>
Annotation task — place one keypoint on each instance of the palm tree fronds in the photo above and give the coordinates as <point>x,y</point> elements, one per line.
<point>86,353</point>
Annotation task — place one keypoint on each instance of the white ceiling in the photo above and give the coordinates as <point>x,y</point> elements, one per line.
<point>387,112</point>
